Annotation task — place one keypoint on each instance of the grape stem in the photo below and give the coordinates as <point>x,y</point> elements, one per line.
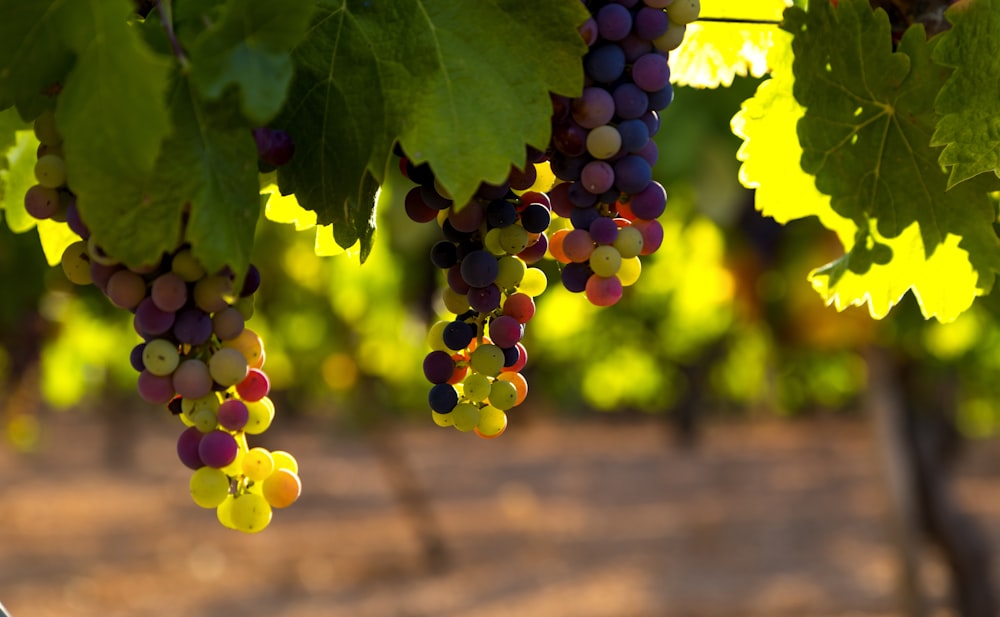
<point>737,20</point>
<point>166,10</point>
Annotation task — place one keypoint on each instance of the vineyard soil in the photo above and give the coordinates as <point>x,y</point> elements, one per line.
<point>598,519</point>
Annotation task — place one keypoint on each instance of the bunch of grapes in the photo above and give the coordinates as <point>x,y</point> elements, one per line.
<point>602,146</point>
<point>197,356</point>
<point>476,359</point>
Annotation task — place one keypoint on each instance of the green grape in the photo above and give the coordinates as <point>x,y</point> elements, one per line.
<point>261,415</point>
<point>465,416</point>
<point>487,359</point>
<point>50,171</point>
<point>628,274</point>
<point>235,468</point>
<point>186,266</point>
<point>97,254</point>
<point>442,419</point>
<point>503,395</point>
<point>492,421</point>
<point>435,336</point>
<point>209,487</point>
<point>225,512</point>
<point>605,260</point>
<point>258,464</point>
<point>250,513</point>
<point>76,263</point>
<point>190,405</point>
<point>510,272</point>
<point>628,242</point>
<point>46,130</point>
<point>284,460</point>
<point>476,387</point>
<point>672,38</point>
<point>491,242</point>
<point>245,306</point>
<point>160,357</point>
<point>228,366</point>
<point>683,11</point>
<point>533,283</point>
<point>455,302</point>
<point>604,142</point>
<point>204,420</point>
<point>513,239</point>
<point>212,293</point>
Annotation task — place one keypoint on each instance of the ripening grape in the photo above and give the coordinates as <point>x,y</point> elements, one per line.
<point>50,171</point>
<point>192,379</point>
<point>233,415</point>
<point>217,449</point>
<point>282,488</point>
<point>228,367</point>
<point>258,464</point>
<point>41,202</point>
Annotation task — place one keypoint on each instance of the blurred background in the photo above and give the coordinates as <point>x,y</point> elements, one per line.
<point>718,443</point>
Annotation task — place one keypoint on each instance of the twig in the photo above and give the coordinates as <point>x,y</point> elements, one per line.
<point>737,20</point>
<point>165,7</point>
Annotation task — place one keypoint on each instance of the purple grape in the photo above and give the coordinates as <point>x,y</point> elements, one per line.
<point>233,415</point>
<point>457,335</point>
<point>489,192</point>
<point>569,138</point>
<point>444,254</point>
<point>74,221</point>
<point>192,326</point>
<point>634,47</point>
<point>433,199</point>
<point>150,319</point>
<point>594,107</point>
<point>101,274</point>
<point>501,213</point>
<point>536,252</point>
<point>588,31</point>
<point>634,135</point>
<point>580,197</point>
<point>187,448</point>
<point>535,218</point>
<point>574,276</point>
<point>511,355</point>
<point>583,218</point>
<point>155,389</point>
<point>603,230</point>
<point>661,99</point>
<point>597,177</point>
<point>41,202</point>
<point>484,299</point>
<point>651,72</point>
<point>652,121</point>
<point>650,23</point>
<point>630,101</point>
<point>522,180</point>
<point>505,331</point>
<point>479,268</point>
<point>614,22</point>
<point>416,209</point>
<point>455,280</point>
<point>567,168</point>
<point>605,63</point>
<point>251,282</point>
<point>650,202</point>
<point>217,449</point>
<point>442,398</point>
<point>559,197</point>
<point>438,366</point>
<point>469,218</point>
<point>135,357</point>
<point>632,174</point>
<point>649,152</point>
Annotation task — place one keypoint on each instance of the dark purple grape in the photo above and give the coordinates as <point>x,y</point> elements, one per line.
<point>192,326</point>
<point>605,63</point>
<point>479,268</point>
<point>438,366</point>
<point>187,447</point>
<point>251,282</point>
<point>580,197</point>
<point>650,23</point>
<point>570,138</point>
<point>458,334</point>
<point>574,276</point>
<point>444,254</point>
<point>651,72</point>
<point>151,320</point>
<point>634,134</point>
<point>442,398</point>
<point>583,218</point>
<point>505,331</point>
<point>661,99</point>
<point>536,252</point>
<point>501,213</point>
<point>650,202</point>
<point>630,101</point>
<point>603,230</point>
<point>595,107</point>
<point>484,299</point>
<point>632,174</point>
<point>535,218</point>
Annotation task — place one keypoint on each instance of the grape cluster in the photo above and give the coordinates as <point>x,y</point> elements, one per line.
<point>476,359</point>
<point>596,216</point>
<point>602,146</point>
<point>197,356</point>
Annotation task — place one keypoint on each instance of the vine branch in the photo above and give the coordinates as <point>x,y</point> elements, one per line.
<point>165,8</point>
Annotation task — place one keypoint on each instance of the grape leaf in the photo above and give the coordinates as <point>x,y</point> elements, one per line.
<point>16,179</point>
<point>250,47</point>
<point>944,282</point>
<point>866,137</point>
<point>209,166</point>
<point>33,53</point>
<point>970,100</point>
<point>714,53</point>
<point>438,76</point>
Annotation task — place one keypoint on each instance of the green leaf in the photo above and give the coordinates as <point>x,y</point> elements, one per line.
<point>970,100</point>
<point>33,53</point>
<point>877,269</point>
<point>250,47</point>
<point>438,76</point>
<point>209,167</point>
<point>712,54</point>
<point>16,179</point>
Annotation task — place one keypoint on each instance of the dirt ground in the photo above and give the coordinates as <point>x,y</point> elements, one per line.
<point>593,519</point>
